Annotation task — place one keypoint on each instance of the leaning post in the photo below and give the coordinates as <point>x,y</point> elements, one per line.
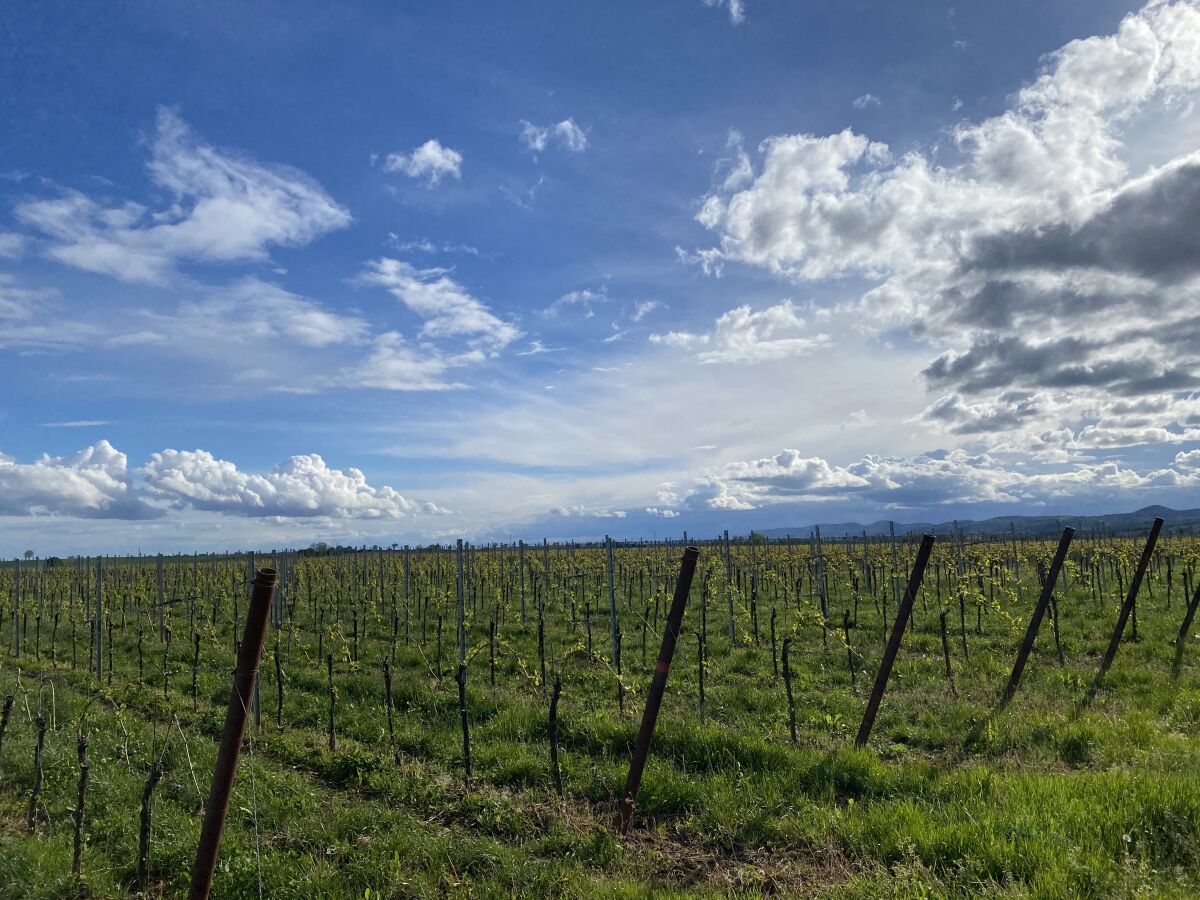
<point>903,611</point>
<point>1039,611</point>
<point>244,679</point>
<point>1135,584</point>
<point>658,686</point>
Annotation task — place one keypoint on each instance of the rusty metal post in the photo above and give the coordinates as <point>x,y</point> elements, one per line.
<point>244,679</point>
<point>1039,610</point>
<point>658,686</point>
<point>903,611</point>
<point>1114,642</point>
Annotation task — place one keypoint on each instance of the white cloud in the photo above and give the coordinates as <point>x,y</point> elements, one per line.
<point>536,348</point>
<point>12,245</point>
<point>737,9</point>
<point>566,134</point>
<point>922,481</point>
<point>93,483</point>
<point>77,423</point>
<point>250,311</point>
<point>1035,259</point>
<point>18,304</point>
<point>448,309</point>
<point>579,511</point>
<point>744,336</point>
<point>586,298</point>
<point>644,308</point>
<point>255,334</point>
<point>425,245</point>
<point>97,483</point>
<point>33,319</point>
<point>226,208</point>
<point>431,162</point>
<point>394,364</point>
<point>866,100</point>
<point>304,486</point>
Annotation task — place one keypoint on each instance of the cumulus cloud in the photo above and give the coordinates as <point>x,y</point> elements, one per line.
<point>1039,261</point>
<point>93,483</point>
<point>745,336</point>
<point>926,480</point>
<point>302,487</point>
<point>225,207</point>
<point>565,134</point>
<point>98,483</point>
<point>865,100</point>
<point>430,162</point>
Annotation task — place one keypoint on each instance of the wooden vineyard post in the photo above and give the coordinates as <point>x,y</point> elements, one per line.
<point>1126,607</point>
<point>461,678</point>
<point>614,624</point>
<point>4,714</point>
<point>98,621</point>
<point>903,611</point>
<point>244,679</point>
<point>389,706</point>
<point>1039,610</point>
<point>555,769</point>
<point>35,796</point>
<point>332,729</point>
<point>1184,628</point>
<point>521,568</point>
<point>946,656</point>
<point>658,686</point>
<point>729,591</point>
<point>84,773</point>
<point>143,869</point>
<point>460,611</point>
<point>787,684</point>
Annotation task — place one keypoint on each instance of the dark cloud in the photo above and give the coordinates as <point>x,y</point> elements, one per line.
<point>1150,229</point>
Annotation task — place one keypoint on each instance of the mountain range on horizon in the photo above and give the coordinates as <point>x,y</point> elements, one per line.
<point>1176,520</point>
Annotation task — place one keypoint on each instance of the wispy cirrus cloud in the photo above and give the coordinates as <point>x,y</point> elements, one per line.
<point>743,335</point>
<point>226,208</point>
<point>448,309</point>
<point>736,8</point>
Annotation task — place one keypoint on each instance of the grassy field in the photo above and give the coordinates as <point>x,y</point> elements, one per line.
<point>1049,797</point>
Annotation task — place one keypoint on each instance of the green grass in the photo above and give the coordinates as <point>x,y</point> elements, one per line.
<point>1046,798</point>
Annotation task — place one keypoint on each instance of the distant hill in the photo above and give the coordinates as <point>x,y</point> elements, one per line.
<point>1176,520</point>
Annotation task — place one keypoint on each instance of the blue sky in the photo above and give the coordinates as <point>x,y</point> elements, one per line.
<point>276,273</point>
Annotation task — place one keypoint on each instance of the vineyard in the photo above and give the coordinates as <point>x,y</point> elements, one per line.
<point>460,721</point>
